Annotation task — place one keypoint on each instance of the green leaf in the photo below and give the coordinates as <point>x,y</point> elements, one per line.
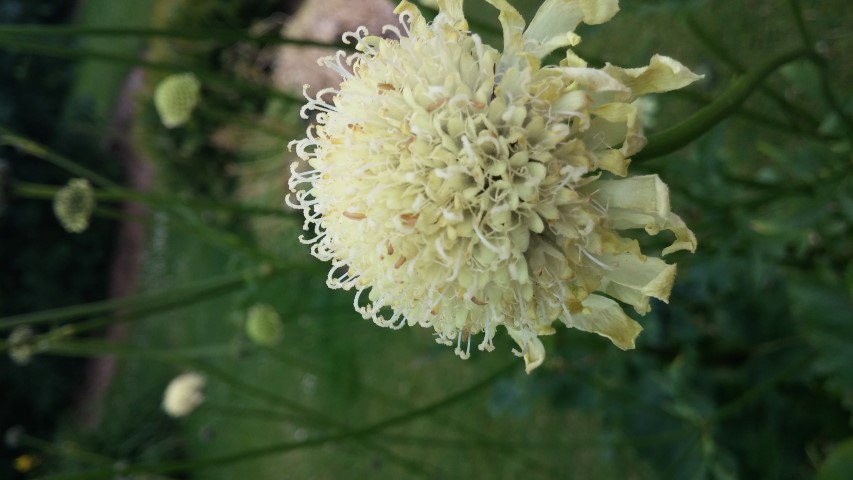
<point>839,464</point>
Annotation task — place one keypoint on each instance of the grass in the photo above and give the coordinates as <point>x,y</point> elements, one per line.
<point>98,84</point>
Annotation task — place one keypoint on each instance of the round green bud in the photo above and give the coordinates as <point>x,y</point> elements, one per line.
<point>263,325</point>
<point>175,98</point>
<point>73,205</point>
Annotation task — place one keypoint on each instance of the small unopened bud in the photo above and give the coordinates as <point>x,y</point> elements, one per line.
<point>21,347</point>
<point>263,325</point>
<point>73,205</point>
<point>175,98</point>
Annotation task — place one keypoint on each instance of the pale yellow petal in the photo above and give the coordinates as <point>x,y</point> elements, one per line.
<point>592,80</point>
<point>554,24</point>
<point>685,239</point>
<point>626,219</point>
<point>646,193</point>
<point>662,75</point>
<point>452,11</point>
<point>650,276</point>
<point>641,202</point>
<point>613,161</point>
<point>512,24</point>
<point>417,21</point>
<point>531,347</point>
<point>598,11</point>
<point>622,119</point>
<point>628,295</point>
<point>605,317</point>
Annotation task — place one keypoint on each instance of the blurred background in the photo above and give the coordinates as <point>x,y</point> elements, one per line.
<point>191,263</point>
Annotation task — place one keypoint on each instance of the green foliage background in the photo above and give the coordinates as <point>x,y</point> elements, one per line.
<point>745,374</point>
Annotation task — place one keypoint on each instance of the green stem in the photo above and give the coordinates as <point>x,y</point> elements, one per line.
<point>209,76</point>
<point>226,117</point>
<point>357,433</point>
<point>473,433</point>
<point>823,67</point>
<point>97,348</point>
<point>221,238</point>
<point>129,304</point>
<point>181,34</point>
<point>794,111</point>
<point>48,192</point>
<point>65,449</point>
<point>757,118</point>
<point>758,390</point>
<point>8,137</point>
<point>699,123</point>
<point>800,21</point>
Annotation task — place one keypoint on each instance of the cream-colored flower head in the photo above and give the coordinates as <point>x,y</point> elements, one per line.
<point>73,205</point>
<point>184,394</point>
<point>175,98</point>
<point>263,325</point>
<point>463,188</point>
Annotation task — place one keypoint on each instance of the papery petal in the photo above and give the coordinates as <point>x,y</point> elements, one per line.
<point>629,295</point>
<point>662,75</point>
<point>452,11</point>
<point>513,29</point>
<point>642,202</point>
<point>605,317</point>
<point>531,347</point>
<point>626,113</point>
<point>413,12</point>
<point>650,276</point>
<point>554,24</point>
<point>646,193</point>
<point>626,219</point>
<point>685,239</point>
<point>592,79</point>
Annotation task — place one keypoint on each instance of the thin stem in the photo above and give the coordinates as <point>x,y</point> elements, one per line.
<point>8,137</point>
<point>213,236</point>
<point>699,123</point>
<point>217,285</point>
<point>758,390</point>
<point>227,117</point>
<point>204,74</point>
<point>65,449</point>
<point>794,111</point>
<point>357,433</point>
<point>823,67</point>
<point>757,118</point>
<point>180,34</point>
<point>48,192</point>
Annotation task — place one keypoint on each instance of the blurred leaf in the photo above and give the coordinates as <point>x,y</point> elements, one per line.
<point>823,314</point>
<point>839,464</point>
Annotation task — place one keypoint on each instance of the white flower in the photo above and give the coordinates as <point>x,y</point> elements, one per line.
<point>184,394</point>
<point>463,188</point>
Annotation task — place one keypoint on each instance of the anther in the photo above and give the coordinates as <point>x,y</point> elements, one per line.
<point>409,218</point>
<point>400,262</point>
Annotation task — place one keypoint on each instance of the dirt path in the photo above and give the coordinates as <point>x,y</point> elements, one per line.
<point>130,247</point>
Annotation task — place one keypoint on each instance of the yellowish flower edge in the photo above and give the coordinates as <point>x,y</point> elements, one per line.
<point>464,188</point>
